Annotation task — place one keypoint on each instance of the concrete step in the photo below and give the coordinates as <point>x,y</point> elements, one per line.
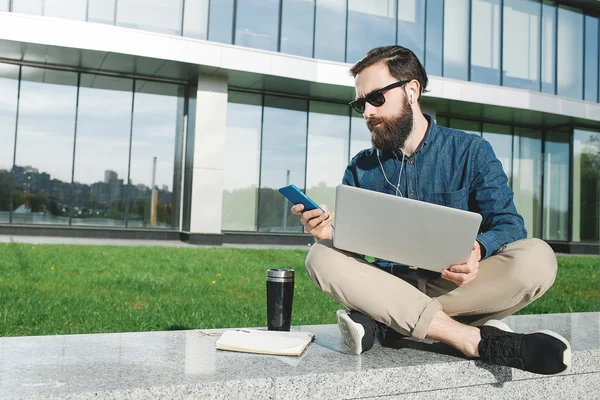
<point>185,364</point>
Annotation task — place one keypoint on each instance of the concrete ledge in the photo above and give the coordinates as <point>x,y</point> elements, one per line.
<point>185,364</point>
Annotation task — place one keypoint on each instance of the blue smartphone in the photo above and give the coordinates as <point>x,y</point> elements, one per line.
<point>295,196</point>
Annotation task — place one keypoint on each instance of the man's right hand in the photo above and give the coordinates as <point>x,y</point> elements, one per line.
<point>315,222</point>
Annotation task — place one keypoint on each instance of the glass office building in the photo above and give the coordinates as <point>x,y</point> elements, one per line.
<point>181,119</point>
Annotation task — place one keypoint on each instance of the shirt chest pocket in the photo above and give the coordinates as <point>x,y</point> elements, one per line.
<point>458,199</point>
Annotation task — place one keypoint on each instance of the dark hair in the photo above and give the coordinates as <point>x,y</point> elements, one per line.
<point>402,63</point>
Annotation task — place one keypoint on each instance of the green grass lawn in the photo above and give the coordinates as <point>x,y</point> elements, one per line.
<point>62,289</point>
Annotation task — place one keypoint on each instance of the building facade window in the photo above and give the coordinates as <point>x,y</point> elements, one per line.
<point>282,161</point>
<point>360,136</point>
<point>220,21</point>
<point>434,37</point>
<point>456,39</point>
<point>556,186</point>
<point>527,178</point>
<point>328,148</point>
<point>586,186</point>
<point>67,9</point>
<point>411,26</point>
<point>521,44</point>
<point>102,150</point>
<point>9,87</point>
<point>592,73</point>
<point>297,25</point>
<point>485,41</point>
<point>101,11</point>
<point>548,49</point>
<point>242,162</point>
<point>472,127</point>
<point>500,137</point>
<point>570,47</point>
<point>195,19</point>
<point>330,30</point>
<point>158,16</point>
<point>152,184</point>
<point>44,152</point>
<point>257,24</point>
<point>34,7</point>
<point>370,24</point>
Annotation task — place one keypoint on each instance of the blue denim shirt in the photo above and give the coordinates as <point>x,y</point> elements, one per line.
<point>451,168</point>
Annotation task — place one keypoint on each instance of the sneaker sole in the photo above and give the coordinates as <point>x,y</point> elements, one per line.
<point>567,355</point>
<point>352,333</point>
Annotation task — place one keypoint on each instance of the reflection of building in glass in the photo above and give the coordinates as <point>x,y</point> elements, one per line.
<point>196,136</point>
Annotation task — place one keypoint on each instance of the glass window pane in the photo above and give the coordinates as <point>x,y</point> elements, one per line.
<point>330,30</point>
<point>370,24</point>
<point>456,39</point>
<point>521,44</point>
<point>570,48</point>
<point>68,9</point>
<point>157,16</point>
<point>360,136</point>
<point>9,87</point>
<point>500,137</point>
<point>411,26</point>
<point>473,127</point>
<point>434,37</point>
<point>441,121</point>
<point>548,49</point>
<point>591,58</point>
<point>4,5</point>
<point>27,6</point>
<point>101,11</point>
<point>220,22</point>
<point>328,146</point>
<point>242,161</point>
<point>257,24</point>
<point>586,186</point>
<point>527,178</point>
<point>556,186</point>
<point>283,157</point>
<point>102,150</point>
<point>297,23</point>
<point>156,114</point>
<point>44,159</point>
<point>485,41</point>
<point>195,19</point>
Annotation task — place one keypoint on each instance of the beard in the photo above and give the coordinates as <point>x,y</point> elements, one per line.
<point>391,133</point>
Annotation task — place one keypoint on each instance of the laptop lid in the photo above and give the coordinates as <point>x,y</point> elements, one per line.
<point>402,230</point>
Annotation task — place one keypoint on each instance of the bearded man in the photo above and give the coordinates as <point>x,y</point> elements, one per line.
<point>415,158</point>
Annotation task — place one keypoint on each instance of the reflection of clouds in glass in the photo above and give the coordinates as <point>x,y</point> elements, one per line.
<point>154,125</point>
<point>46,126</point>
<point>241,158</point>
<point>370,24</point>
<point>8,112</point>
<point>157,15</point>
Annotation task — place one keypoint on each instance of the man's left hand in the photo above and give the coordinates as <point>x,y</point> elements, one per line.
<point>461,274</point>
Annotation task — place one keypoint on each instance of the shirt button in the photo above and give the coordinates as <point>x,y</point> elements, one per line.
<point>410,161</point>
<point>412,192</point>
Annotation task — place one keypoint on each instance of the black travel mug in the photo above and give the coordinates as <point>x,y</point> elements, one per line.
<point>280,294</point>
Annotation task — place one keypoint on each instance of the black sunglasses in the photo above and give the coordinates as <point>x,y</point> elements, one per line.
<point>375,98</point>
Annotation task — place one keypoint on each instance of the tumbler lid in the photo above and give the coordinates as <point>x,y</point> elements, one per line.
<point>280,273</point>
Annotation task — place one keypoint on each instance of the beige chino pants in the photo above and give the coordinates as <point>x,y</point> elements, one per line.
<point>506,282</point>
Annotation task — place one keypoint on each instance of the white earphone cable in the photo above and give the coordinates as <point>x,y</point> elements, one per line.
<point>397,187</point>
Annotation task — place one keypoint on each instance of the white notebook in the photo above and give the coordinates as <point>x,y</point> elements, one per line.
<point>265,342</point>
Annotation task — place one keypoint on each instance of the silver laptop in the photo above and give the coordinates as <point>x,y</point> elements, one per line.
<point>402,230</point>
